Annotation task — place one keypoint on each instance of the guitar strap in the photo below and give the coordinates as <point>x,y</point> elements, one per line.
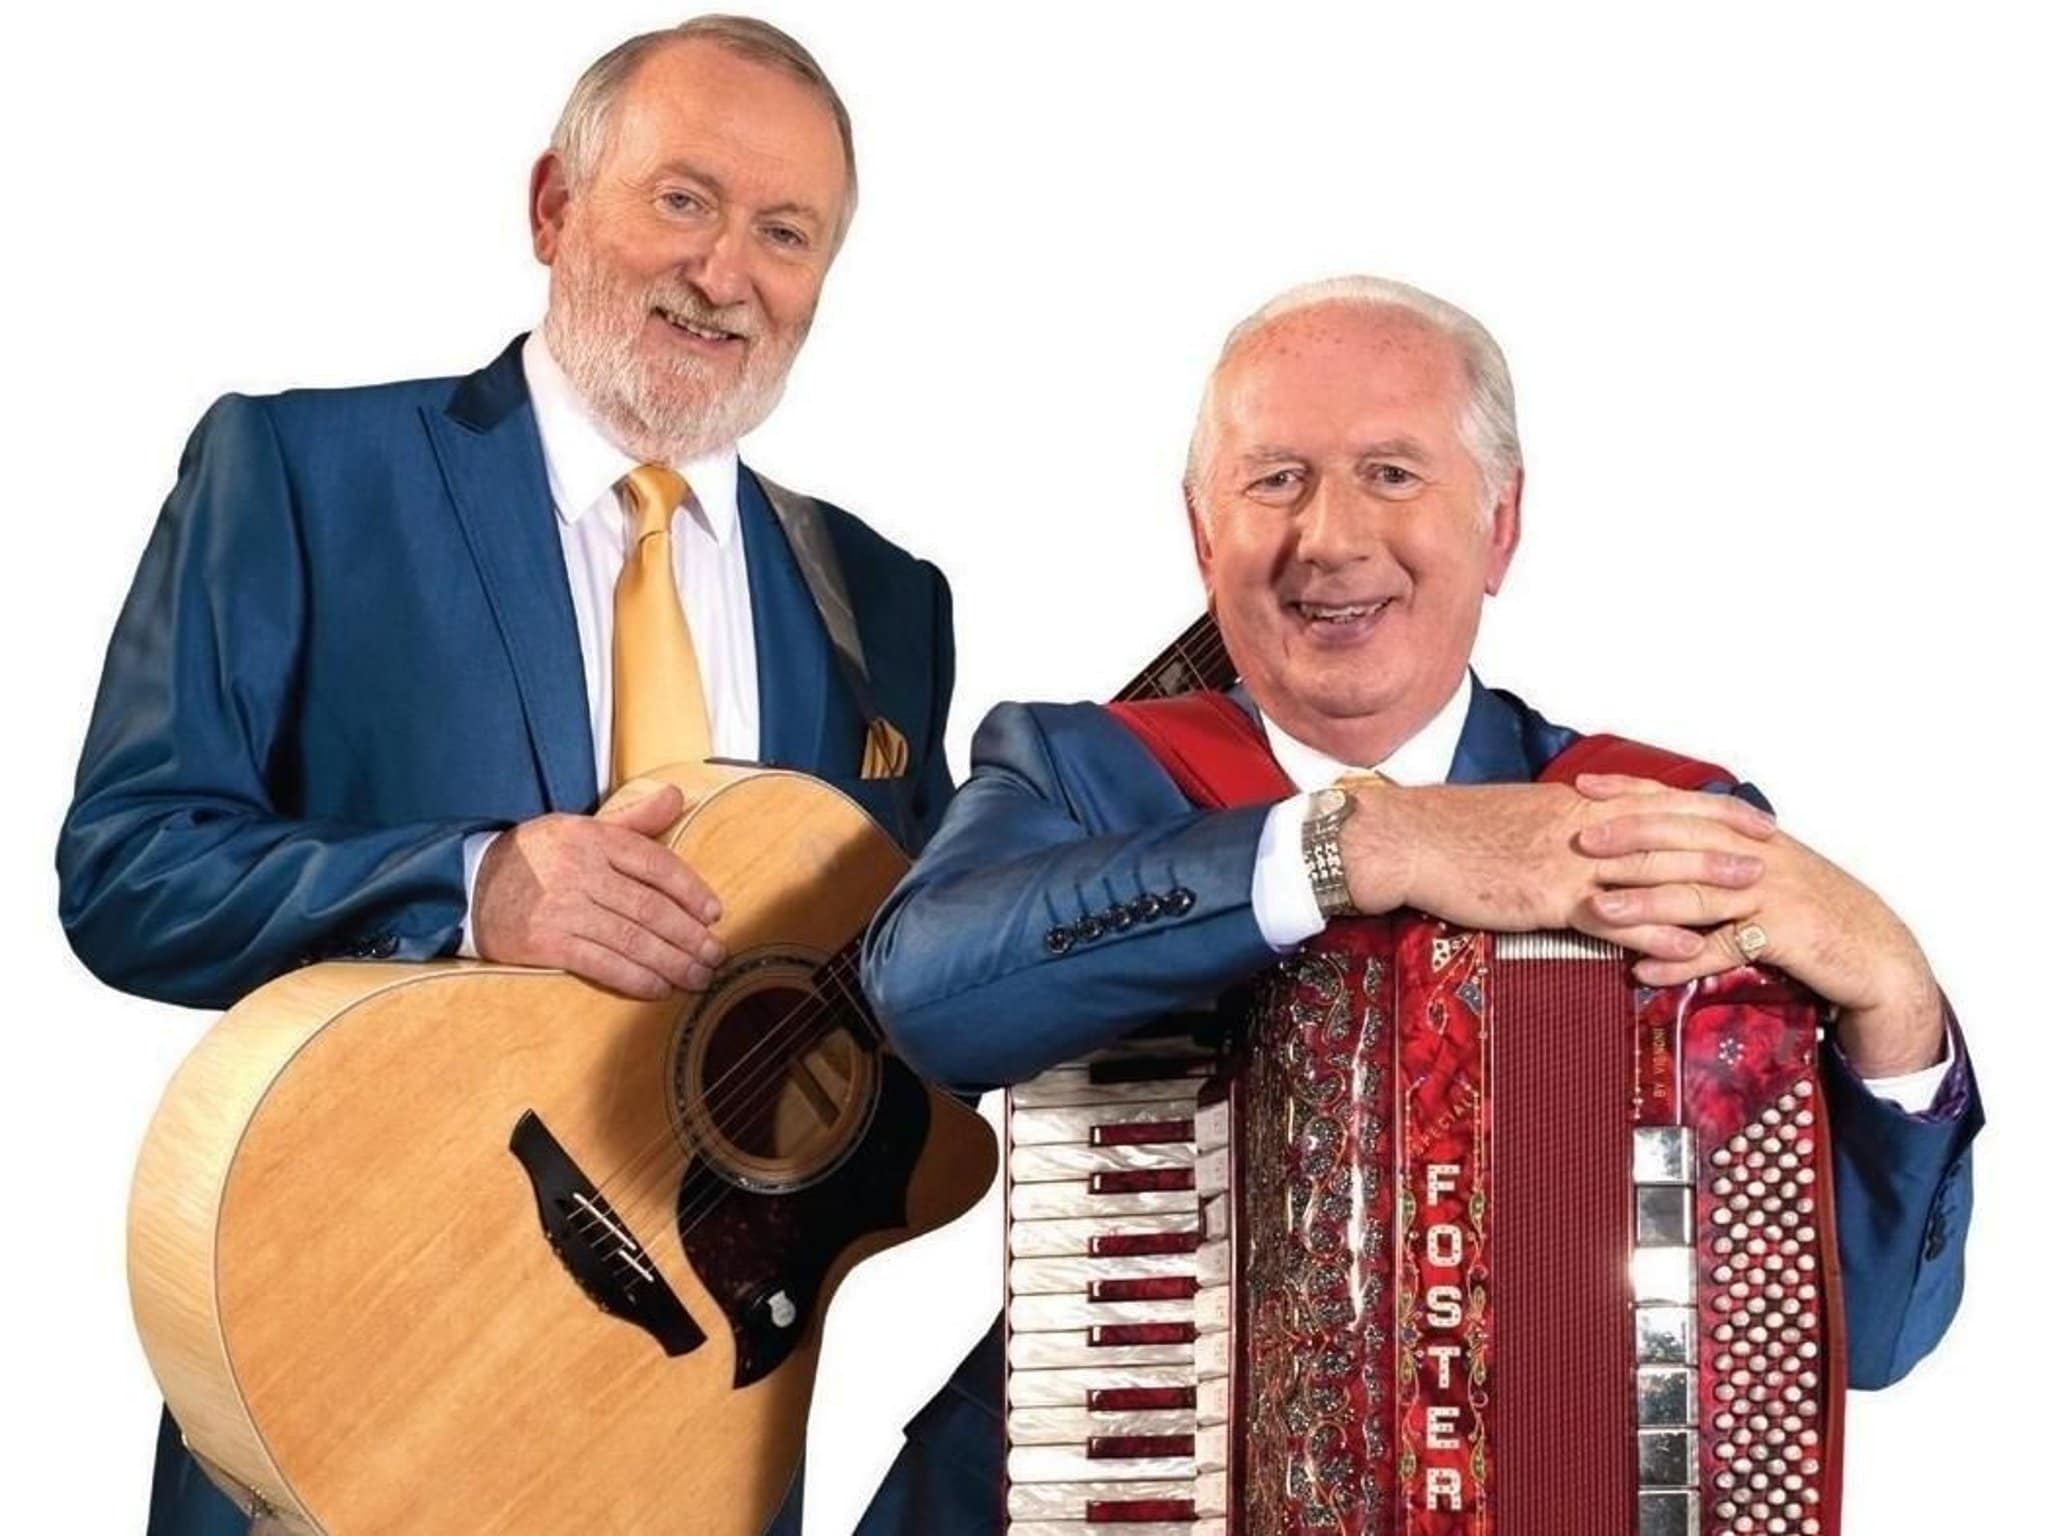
<point>803,524</point>
<point>817,559</point>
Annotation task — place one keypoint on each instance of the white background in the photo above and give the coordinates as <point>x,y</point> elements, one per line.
<point>1770,283</point>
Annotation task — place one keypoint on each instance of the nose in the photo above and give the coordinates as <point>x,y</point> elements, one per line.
<point>720,270</point>
<point>1337,524</point>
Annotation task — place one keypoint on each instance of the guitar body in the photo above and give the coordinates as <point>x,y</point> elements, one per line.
<point>455,1249</point>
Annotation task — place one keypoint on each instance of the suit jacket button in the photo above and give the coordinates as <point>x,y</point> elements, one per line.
<point>1180,900</point>
<point>1088,929</point>
<point>1120,917</point>
<point>383,947</point>
<point>1059,939</point>
<point>1148,907</point>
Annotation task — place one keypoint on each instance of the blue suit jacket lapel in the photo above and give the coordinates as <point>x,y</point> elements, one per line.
<point>1491,748</point>
<point>805,714</point>
<point>490,456</point>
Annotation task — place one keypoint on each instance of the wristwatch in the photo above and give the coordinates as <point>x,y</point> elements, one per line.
<point>1323,853</point>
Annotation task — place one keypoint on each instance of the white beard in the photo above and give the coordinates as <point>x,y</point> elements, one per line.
<point>668,412</point>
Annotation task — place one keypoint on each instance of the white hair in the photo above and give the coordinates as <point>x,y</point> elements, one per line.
<point>1487,425</point>
<point>584,128</point>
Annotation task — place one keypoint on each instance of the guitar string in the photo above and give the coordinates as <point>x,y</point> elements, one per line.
<point>1200,648</point>
<point>1206,654</point>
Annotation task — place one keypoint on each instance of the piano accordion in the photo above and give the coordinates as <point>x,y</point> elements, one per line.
<point>1455,1234</point>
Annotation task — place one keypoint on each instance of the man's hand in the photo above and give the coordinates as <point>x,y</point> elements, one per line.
<point>599,896</point>
<point>1508,857</point>
<point>1821,926</point>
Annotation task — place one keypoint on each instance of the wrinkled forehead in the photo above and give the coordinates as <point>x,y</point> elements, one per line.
<point>1326,378</point>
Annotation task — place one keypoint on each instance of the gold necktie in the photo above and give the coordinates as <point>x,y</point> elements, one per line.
<point>658,710</point>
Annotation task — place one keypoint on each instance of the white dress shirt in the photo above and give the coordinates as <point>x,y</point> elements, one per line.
<point>1284,900</point>
<point>584,467</point>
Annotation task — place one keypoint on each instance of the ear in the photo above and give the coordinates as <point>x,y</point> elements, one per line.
<point>1505,535</point>
<point>1199,529</point>
<point>547,205</point>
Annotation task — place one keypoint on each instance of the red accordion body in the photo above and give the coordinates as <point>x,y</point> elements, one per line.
<point>1485,1241</point>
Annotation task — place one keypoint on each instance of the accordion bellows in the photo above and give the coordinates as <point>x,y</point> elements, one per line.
<point>1461,1235</point>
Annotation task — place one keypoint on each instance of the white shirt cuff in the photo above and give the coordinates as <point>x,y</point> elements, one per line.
<point>474,847</point>
<point>1915,1091</point>
<point>1283,899</point>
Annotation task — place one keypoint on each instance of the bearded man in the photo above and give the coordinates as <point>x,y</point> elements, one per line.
<point>363,698</point>
<point>1354,493</point>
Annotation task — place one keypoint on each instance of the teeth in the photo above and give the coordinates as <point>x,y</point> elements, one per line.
<point>1338,615</point>
<point>695,330</point>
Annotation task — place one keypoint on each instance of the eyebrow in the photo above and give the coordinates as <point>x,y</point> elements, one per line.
<point>1382,448</point>
<point>694,173</point>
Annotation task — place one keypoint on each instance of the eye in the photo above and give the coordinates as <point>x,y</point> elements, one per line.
<point>1275,482</point>
<point>788,237</point>
<point>1393,477</point>
<point>682,202</point>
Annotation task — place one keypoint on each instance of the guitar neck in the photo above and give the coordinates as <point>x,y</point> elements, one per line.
<point>1196,659</point>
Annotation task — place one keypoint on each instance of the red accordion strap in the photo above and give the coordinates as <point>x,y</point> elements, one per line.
<point>1218,756</point>
<point>1208,746</point>
<point>1617,754</point>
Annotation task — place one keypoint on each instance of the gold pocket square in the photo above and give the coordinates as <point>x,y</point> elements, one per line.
<point>887,754</point>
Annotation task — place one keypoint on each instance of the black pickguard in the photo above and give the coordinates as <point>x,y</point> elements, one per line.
<point>763,1256</point>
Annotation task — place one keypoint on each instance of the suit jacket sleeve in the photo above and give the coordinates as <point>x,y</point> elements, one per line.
<point>183,874</point>
<point>1041,923</point>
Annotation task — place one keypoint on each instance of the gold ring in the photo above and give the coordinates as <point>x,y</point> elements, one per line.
<point>1751,940</point>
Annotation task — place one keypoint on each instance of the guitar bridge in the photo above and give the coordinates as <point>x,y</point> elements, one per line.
<point>594,1244</point>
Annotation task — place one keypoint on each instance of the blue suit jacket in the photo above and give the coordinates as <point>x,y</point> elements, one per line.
<point>350,645</point>
<point>1066,815</point>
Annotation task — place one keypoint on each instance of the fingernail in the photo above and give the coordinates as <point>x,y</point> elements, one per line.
<point>712,952</point>
<point>713,911</point>
<point>1691,945</point>
<point>1612,904</point>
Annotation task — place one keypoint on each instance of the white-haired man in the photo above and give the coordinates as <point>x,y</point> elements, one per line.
<point>1354,494</point>
<point>388,646</point>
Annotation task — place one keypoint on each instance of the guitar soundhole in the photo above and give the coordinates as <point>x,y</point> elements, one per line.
<point>777,1084</point>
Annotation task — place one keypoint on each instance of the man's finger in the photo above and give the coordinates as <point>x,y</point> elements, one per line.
<point>1718,953</point>
<point>644,806</point>
<point>1612,786</point>
<point>1659,940</point>
<point>1731,810</point>
<point>649,907</point>
<point>593,962</point>
<point>643,947</point>
<point>1662,832</point>
<point>1688,903</point>
<point>1661,866</point>
<point>652,864</point>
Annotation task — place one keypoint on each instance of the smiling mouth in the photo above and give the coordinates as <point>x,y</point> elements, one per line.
<point>1340,616</point>
<point>697,328</point>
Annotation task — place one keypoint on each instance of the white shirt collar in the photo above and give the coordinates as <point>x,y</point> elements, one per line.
<point>584,464</point>
<point>1424,758</point>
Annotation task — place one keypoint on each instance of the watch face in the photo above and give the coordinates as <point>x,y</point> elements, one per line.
<point>1326,802</point>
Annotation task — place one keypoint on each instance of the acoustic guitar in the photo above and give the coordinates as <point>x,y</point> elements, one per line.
<point>460,1248</point>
